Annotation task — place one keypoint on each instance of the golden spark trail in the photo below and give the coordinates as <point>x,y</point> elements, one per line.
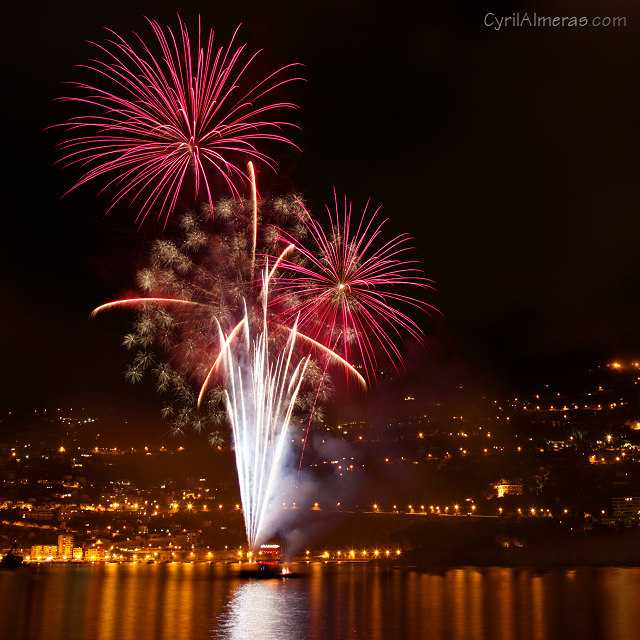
<point>217,361</point>
<point>334,356</point>
<point>135,301</point>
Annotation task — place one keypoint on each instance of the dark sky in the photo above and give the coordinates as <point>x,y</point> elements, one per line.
<point>511,156</point>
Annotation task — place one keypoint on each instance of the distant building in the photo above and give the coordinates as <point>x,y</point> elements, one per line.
<point>65,546</point>
<point>95,555</point>
<point>41,513</point>
<point>625,506</point>
<point>504,488</point>
<point>66,513</point>
<point>44,552</point>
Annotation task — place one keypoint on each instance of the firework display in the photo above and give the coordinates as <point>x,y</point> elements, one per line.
<point>348,291</point>
<point>169,120</point>
<point>202,284</point>
<point>192,284</point>
<point>241,315</point>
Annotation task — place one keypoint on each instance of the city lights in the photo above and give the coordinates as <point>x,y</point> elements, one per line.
<point>122,520</point>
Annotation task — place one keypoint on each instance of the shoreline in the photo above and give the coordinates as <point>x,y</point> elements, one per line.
<point>417,567</point>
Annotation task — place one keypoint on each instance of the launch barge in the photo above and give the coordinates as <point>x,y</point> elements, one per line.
<point>269,565</point>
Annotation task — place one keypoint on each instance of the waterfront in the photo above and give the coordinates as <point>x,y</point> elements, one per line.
<point>341,601</point>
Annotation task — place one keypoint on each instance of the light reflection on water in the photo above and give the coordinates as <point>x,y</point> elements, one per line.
<point>265,610</point>
<point>341,602</point>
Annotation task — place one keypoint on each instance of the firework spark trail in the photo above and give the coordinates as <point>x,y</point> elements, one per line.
<point>192,107</point>
<point>254,196</point>
<point>344,286</point>
<point>217,361</point>
<point>282,256</point>
<point>260,397</point>
<point>331,355</point>
<point>136,302</point>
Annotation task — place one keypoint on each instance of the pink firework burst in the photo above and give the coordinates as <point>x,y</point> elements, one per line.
<point>182,114</point>
<point>348,290</point>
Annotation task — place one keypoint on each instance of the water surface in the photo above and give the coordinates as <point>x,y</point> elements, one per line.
<point>341,602</point>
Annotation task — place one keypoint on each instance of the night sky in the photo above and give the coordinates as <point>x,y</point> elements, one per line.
<point>510,156</point>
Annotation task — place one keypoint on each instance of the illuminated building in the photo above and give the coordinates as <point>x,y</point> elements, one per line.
<point>65,546</point>
<point>508,489</point>
<point>94,555</point>
<point>42,552</point>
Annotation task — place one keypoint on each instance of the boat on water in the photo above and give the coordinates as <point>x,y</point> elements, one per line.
<point>269,564</point>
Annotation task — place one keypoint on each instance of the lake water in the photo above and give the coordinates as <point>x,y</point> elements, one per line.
<point>342,602</point>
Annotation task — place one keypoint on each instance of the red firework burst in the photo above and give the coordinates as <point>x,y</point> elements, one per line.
<point>189,110</point>
<point>348,288</point>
